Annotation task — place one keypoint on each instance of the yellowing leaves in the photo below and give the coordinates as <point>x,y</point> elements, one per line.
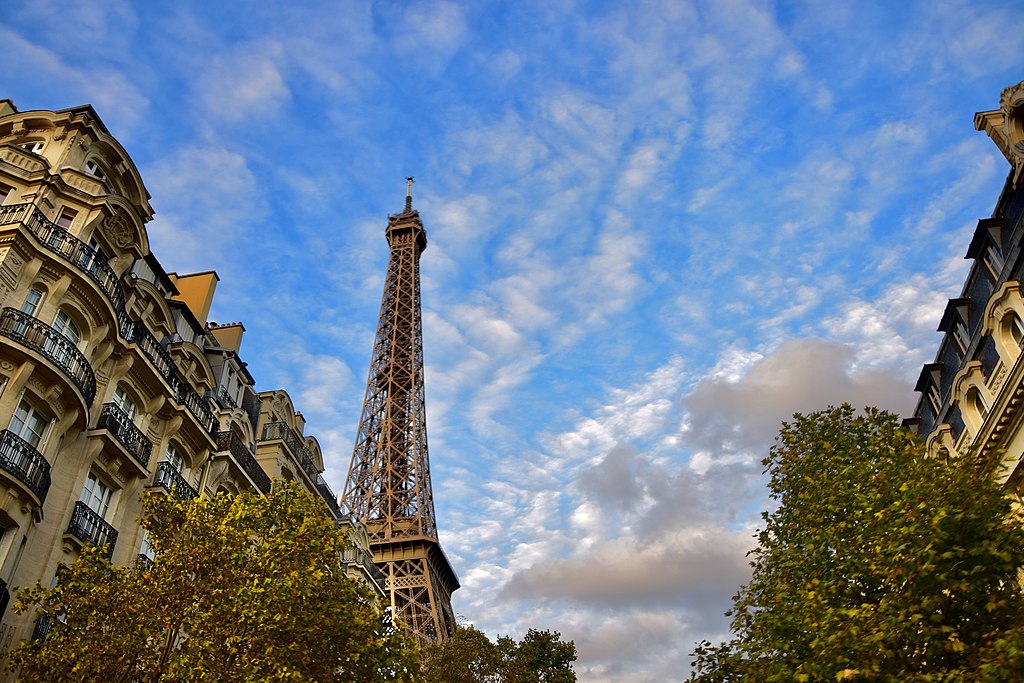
<point>239,583</point>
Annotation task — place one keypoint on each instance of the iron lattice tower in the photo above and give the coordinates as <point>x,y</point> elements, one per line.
<point>388,484</point>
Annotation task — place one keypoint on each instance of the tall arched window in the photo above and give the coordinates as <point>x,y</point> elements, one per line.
<point>1015,328</point>
<point>977,402</point>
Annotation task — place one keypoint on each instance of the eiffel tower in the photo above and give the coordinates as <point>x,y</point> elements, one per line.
<point>388,484</point>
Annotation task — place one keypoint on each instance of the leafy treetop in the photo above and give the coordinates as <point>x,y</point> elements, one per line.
<point>880,563</point>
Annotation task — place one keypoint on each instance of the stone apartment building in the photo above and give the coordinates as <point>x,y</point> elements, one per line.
<point>972,394</point>
<point>113,382</point>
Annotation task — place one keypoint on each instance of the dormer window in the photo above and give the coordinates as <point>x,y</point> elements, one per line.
<point>994,260</point>
<point>986,246</point>
<point>963,337</point>
<point>954,323</point>
<point>934,398</point>
<point>93,169</point>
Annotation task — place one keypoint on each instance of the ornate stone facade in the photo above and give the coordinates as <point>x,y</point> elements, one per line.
<point>972,394</point>
<point>113,384</point>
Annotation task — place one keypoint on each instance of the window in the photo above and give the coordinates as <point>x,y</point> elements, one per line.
<point>96,495</point>
<point>5,193</point>
<point>934,398</point>
<point>92,168</point>
<point>30,425</point>
<point>91,256</point>
<point>60,352</point>
<point>147,551</point>
<point>173,457</point>
<point>35,146</point>
<point>963,337</point>
<point>123,401</point>
<point>66,217</point>
<point>67,327</point>
<point>994,260</point>
<point>1016,329</point>
<point>32,301</point>
<point>977,401</point>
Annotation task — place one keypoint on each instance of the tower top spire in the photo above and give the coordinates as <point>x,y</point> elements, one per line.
<point>408,193</point>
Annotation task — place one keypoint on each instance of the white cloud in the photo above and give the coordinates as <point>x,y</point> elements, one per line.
<point>243,84</point>
<point>197,226</point>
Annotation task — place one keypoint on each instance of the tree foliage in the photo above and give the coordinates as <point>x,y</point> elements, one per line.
<point>243,588</point>
<point>879,564</point>
<point>471,657</point>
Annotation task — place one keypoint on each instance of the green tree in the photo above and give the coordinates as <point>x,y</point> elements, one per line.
<point>471,657</point>
<point>879,563</point>
<point>243,588</point>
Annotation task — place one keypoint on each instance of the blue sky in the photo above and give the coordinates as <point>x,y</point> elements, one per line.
<point>655,230</point>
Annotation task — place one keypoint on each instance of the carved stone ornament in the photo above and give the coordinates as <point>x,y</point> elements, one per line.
<point>1012,104</point>
<point>119,228</point>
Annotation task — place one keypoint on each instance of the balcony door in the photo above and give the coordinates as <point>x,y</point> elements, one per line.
<point>28,424</point>
<point>127,406</point>
<point>65,327</point>
<point>96,495</point>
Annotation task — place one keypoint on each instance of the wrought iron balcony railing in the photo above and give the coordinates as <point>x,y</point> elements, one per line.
<point>361,558</point>
<point>94,265</point>
<point>281,430</point>
<point>88,527</point>
<point>225,398</point>
<point>63,243</point>
<point>120,425</point>
<point>328,495</point>
<point>55,347</point>
<point>19,458</point>
<point>144,561</point>
<point>135,332</point>
<point>172,481</point>
<point>42,627</point>
<point>228,441</point>
<point>184,394</point>
<point>251,404</point>
<point>187,396</point>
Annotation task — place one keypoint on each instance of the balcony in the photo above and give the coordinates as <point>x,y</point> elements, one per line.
<point>229,442</point>
<point>251,404</point>
<point>170,479</point>
<point>187,396</point>
<point>42,628</point>
<point>328,495</point>
<point>61,242</point>
<point>88,527</point>
<point>55,347</point>
<point>19,458</point>
<point>363,559</point>
<point>121,427</point>
<point>280,430</point>
<point>136,333</point>
<point>225,399</point>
